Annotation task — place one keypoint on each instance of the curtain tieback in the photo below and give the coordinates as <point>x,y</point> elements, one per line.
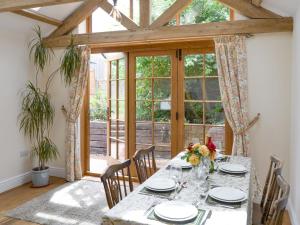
<point>251,124</point>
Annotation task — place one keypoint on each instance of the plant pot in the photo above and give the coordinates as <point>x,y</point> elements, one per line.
<point>40,178</point>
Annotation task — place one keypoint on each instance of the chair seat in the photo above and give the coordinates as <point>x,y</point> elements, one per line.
<point>257,214</point>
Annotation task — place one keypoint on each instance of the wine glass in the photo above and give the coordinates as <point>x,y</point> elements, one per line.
<point>177,175</point>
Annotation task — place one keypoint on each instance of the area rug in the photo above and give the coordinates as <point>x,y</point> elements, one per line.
<point>82,202</point>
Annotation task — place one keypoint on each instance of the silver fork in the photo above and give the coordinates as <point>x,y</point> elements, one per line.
<point>155,203</point>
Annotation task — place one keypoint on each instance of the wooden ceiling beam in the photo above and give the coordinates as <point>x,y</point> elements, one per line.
<point>170,13</point>
<point>38,16</point>
<point>73,20</point>
<point>145,13</point>
<point>126,22</point>
<point>246,8</point>
<point>171,34</point>
<point>13,5</point>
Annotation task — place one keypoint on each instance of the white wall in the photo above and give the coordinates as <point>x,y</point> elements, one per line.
<point>295,125</point>
<point>269,66</point>
<point>15,70</point>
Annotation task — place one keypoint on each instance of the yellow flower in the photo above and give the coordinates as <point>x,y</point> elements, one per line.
<point>194,160</point>
<point>204,151</point>
<point>212,155</point>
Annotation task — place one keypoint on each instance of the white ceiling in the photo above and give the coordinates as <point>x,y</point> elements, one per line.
<point>282,7</point>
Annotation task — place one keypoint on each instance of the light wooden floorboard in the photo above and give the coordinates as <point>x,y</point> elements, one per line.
<point>17,196</point>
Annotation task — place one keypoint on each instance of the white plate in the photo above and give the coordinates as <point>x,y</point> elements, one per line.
<point>184,164</point>
<point>176,211</point>
<point>232,168</point>
<point>227,194</point>
<point>160,184</point>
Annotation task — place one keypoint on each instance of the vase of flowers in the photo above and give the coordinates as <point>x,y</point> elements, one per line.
<point>197,153</point>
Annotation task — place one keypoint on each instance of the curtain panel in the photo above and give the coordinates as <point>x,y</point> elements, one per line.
<point>232,69</point>
<point>76,94</point>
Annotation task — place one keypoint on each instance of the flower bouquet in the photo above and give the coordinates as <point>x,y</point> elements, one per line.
<point>195,153</point>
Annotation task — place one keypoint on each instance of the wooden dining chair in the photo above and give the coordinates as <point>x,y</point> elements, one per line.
<point>280,193</point>
<point>260,211</point>
<point>145,165</point>
<point>113,179</point>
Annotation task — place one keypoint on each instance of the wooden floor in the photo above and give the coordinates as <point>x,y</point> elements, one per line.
<point>17,196</point>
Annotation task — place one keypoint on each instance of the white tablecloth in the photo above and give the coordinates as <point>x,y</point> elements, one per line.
<point>131,210</point>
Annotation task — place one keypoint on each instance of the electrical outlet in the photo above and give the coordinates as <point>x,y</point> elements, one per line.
<point>24,153</point>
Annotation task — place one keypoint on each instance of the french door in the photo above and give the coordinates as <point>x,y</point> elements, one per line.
<point>153,103</point>
<point>163,98</point>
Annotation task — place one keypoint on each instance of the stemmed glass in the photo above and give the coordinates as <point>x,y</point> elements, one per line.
<point>177,175</point>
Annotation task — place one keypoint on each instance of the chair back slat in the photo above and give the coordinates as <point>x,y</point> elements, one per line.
<point>144,160</point>
<point>274,164</point>
<point>280,199</point>
<point>112,179</point>
<point>272,192</point>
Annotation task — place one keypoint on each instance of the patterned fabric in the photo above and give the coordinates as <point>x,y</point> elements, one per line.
<point>232,68</point>
<point>77,90</point>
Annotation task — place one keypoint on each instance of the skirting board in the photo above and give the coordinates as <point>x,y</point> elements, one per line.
<point>24,178</point>
<point>293,216</point>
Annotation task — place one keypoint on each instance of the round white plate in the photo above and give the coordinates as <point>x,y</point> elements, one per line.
<point>160,184</point>
<point>232,168</point>
<point>176,211</point>
<point>227,194</point>
<point>184,164</point>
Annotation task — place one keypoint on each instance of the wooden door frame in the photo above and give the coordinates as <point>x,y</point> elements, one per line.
<point>132,97</point>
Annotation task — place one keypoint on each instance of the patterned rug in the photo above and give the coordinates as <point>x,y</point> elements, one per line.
<point>82,202</point>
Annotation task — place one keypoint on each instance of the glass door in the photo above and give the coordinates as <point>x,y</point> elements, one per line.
<point>153,106</point>
<point>200,99</point>
<point>107,111</point>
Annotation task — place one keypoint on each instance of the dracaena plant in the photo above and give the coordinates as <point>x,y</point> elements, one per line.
<point>37,112</point>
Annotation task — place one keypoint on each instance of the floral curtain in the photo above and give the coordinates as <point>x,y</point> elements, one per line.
<point>232,68</point>
<point>77,90</point>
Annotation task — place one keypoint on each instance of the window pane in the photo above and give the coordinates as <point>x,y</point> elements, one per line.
<point>143,133</point>
<point>193,89</point>
<point>143,89</point>
<point>113,109</point>
<point>193,134</point>
<point>211,65</point>
<point>162,134</point>
<point>121,110</point>
<point>113,89</point>
<point>162,111</point>
<point>113,70</point>
<point>212,89</point>
<point>204,11</point>
<point>193,65</point>
<point>193,112</point>
<point>158,7</point>
<point>144,66</point>
<point>162,89</point>
<point>162,66</point>
<point>122,89</point>
<point>144,111</point>
<point>122,69</point>
<point>122,130</point>
<point>214,113</point>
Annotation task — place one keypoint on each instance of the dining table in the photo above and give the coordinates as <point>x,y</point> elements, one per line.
<point>135,208</point>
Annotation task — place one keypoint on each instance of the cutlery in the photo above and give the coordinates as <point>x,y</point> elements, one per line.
<point>222,205</point>
<point>155,203</point>
<point>207,217</point>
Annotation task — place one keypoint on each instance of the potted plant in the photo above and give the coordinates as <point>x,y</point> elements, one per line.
<point>37,112</point>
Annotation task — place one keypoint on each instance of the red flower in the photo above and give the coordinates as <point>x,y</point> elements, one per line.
<point>210,145</point>
<point>190,147</point>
